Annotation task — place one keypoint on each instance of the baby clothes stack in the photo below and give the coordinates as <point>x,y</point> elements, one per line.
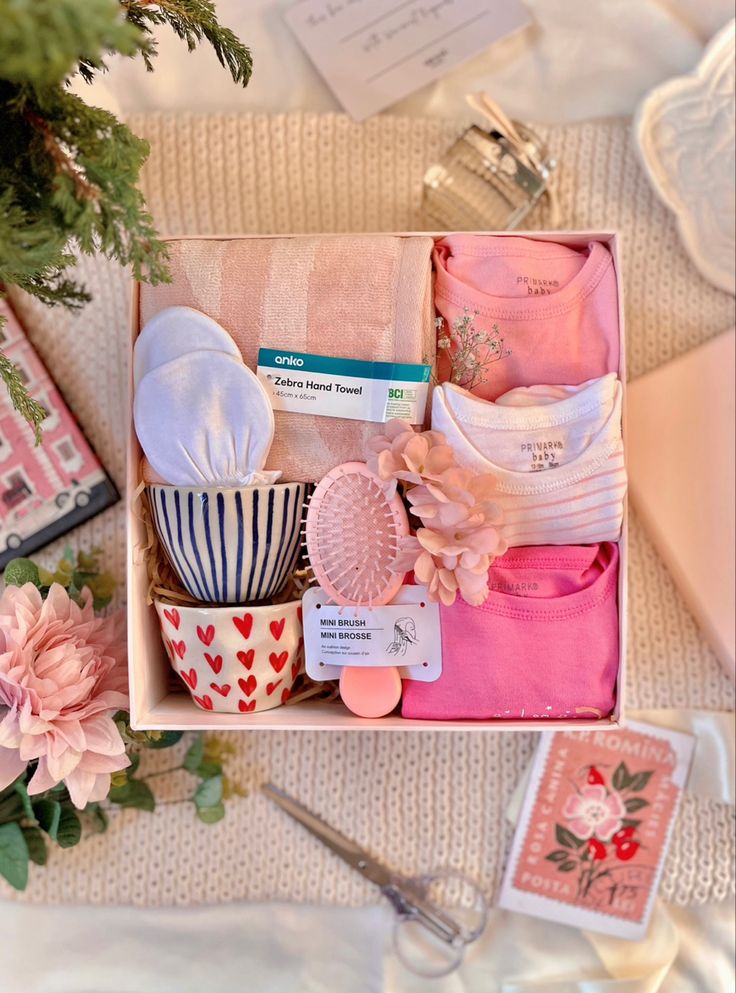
<point>546,423</point>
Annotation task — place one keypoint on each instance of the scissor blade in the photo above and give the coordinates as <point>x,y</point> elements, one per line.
<point>355,856</point>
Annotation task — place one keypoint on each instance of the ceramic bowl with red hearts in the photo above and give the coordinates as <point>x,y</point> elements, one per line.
<point>234,660</point>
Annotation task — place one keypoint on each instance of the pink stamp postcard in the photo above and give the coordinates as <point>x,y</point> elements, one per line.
<point>594,827</point>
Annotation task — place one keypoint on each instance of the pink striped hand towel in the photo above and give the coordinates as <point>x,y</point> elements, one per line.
<point>352,296</point>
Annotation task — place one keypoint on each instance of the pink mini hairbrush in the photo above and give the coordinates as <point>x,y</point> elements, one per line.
<point>353,531</point>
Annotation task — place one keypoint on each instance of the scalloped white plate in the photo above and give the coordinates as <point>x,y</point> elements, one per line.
<point>684,130</point>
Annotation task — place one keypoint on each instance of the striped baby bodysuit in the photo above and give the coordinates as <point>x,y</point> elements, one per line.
<point>556,452</point>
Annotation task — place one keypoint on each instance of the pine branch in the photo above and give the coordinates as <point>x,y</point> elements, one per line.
<point>30,409</point>
<point>193,21</point>
<point>43,41</point>
<point>68,171</point>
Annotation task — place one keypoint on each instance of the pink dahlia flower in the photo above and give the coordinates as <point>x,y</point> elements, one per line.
<point>592,811</point>
<point>62,677</point>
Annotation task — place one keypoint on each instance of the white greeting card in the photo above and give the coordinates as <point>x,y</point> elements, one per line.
<point>372,53</point>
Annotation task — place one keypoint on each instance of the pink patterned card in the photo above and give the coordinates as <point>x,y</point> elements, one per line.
<point>594,827</point>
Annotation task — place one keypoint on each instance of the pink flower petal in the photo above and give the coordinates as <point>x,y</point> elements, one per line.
<point>395,427</point>
<point>581,829</point>
<point>11,766</point>
<point>573,805</point>
<point>606,829</point>
<point>62,677</point>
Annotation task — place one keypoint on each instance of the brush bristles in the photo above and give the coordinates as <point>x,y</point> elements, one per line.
<point>352,537</point>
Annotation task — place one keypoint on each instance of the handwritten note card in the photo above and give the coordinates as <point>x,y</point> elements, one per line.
<point>374,52</point>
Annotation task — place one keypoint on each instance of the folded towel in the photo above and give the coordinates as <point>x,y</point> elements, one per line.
<point>358,297</point>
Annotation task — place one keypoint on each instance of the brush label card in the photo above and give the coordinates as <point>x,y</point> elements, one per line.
<point>350,388</point>
<point>372,53</point>
<point>595,825</point>
<point>404,633</point>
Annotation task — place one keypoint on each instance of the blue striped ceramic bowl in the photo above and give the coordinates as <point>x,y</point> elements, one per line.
<point>230,545</point>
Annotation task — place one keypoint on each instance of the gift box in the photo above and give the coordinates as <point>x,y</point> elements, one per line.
<point>157,702</point>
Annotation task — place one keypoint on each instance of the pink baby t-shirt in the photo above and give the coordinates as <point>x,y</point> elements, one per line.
<point>545,643</point>
<point>555,308</point>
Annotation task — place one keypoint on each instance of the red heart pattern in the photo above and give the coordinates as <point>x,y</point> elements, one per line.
<point>248,685</point>
<point>215,663</point>
<point>246,658</point>
<point>206,636</point>
<point>277,628</point>
<point>278,661</point>
<point>244,624</point>
<point>173,617</point>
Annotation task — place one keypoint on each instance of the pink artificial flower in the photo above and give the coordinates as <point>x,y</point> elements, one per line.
<point>592,811</point>
<point>403,454</point>
<point>62,677</point>
<point>473,583</point>
<point>460,536</point>
<point>426,459</point>
<point>408,552</point>
<point>440,582</point>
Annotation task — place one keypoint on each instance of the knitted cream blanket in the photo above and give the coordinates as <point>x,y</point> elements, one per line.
<point>435,798</point>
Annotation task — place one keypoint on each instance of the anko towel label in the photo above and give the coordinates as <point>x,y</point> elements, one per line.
<point>404,633</point>
<point>350,388</point>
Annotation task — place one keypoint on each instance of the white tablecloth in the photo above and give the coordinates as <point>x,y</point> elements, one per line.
<point>590,58</point>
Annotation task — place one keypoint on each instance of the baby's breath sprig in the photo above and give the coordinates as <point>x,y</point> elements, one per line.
<point>470,351</point>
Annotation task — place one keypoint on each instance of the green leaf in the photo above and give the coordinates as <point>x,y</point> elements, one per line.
<point>135,794</point>
<point>70,827</point>
<point>167,739</point>
<point>630,822</point>
<point>36,845</point>
<point>48,815</point>
<point>559,855</point>
<point>195,754</point>
<point>639,781</point>
<point>207,770</point>
<point>22,791</point>
<point>567,866</point>
<point>567,838</point>
<point>97,816</point>
<point>621,777</point>
<point>209,792</point>
<point>21,571</point>
<point>635,803</point>
<point>135,761</point>
<point>13,856</point>
<point>211,815</point>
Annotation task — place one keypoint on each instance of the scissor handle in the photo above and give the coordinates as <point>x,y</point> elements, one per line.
<point>429,937</point>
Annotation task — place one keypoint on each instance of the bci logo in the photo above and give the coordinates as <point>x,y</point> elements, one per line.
<point>395,394</point>
<point>291,360</point>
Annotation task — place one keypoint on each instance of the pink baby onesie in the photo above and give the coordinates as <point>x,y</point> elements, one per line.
<point>544,644</point>
<point>556,308</point>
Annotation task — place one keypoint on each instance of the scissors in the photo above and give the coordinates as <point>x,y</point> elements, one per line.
<point>429,938</point>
